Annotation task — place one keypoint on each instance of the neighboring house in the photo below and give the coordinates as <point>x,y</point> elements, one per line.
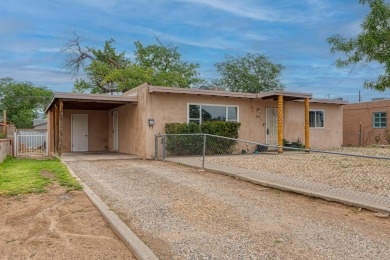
<point>39,124</point>
<point>364,122</point>
<point>129,122</point>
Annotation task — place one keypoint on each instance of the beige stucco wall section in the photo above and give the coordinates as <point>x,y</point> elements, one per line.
<point>362,112</point>
<point>136,137</point>
<point>330,136</point>
<point>172,108</point>
<point>97,130</point>
<point>132,124</point>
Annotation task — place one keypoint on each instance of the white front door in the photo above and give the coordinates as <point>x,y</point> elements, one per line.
<point>115,132</point>
<point>79,132</point>
<point>271,126</point>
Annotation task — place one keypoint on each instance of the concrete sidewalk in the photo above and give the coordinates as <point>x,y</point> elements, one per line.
<point>313,189</point>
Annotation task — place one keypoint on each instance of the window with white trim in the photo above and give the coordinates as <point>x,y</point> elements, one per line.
<point>379,120</point>
<point>316,118</point>
<point>198,113</point>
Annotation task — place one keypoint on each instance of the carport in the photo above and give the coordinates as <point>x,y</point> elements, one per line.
<point>84,122</point>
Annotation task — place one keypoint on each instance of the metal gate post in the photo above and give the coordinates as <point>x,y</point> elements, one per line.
<point>204,149</point>
<point>15,143</point>
<point>164,140</point>
<point>47,143</point>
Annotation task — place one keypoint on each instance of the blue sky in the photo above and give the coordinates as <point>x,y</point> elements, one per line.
<point>292,33</point>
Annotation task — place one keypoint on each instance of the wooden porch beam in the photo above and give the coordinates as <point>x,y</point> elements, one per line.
<point>280,123</point>
<point>56,139</point>
<point>307,126</point>
<point>60,126</point>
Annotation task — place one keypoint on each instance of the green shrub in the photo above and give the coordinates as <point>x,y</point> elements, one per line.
<point>193,144</point>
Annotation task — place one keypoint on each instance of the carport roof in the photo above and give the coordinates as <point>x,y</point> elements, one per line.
<point>91,101</point>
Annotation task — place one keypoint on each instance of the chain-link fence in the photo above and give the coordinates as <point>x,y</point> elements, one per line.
<point>365,138</point>
<point>360,175</point>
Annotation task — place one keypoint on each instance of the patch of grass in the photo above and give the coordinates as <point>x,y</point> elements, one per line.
<point>18,176</point>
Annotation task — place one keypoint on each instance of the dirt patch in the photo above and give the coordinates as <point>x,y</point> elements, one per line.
<point>48,175</point>
<point>56,225</point>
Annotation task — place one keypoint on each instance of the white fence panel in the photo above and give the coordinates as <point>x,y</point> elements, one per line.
<point>30,142</point>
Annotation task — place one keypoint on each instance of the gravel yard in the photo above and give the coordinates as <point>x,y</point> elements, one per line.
<point>354,173</point>
<point>183,213</point>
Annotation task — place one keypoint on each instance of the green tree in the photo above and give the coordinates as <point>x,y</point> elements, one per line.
<point>251,73</point>
<point>22,100</point>
<point>108,70</point>
<point>371,45</point>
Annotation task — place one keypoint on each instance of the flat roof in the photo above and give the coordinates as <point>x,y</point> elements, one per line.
<point>262,95</point>
<point>91,101</point>
<point>329,101</point>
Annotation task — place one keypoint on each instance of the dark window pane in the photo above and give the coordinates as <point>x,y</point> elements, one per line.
<point>213,113</point>
<point>197,121</point>
<point>312,119</point>
<point>232,113</point>
<point>319,119</point>
<point>194,111</point>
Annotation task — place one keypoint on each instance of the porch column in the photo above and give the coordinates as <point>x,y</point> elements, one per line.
<point>60,124</point>
<point>55,129</point>
<point>280,123</point>
<point>307,126</point>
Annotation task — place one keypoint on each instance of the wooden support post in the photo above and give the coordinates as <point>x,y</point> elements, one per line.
<point>280,123</point>
<point>307,126</point>
<point>56,139</point>
<point>60,123</point>
<point>5,123</point>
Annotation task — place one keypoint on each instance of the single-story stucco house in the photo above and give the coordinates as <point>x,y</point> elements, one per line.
<point>366,121</point>
<point>128,123</point>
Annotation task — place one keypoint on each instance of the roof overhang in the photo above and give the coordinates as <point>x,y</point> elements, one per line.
<point>91,101</point>
<point>288,96</point>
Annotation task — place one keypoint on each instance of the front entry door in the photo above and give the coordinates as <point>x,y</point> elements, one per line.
<point>115,132</point>
<point>79,132</point>
<point>272,126</point>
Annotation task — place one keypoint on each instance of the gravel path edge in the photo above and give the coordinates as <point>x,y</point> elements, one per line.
<point>325,194</point>
<point>129,238</point>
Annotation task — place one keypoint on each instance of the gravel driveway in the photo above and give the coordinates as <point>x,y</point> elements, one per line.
<point>183,213</point>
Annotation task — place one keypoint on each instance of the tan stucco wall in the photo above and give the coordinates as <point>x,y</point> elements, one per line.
<point>172,108</point>
<point>362,112</point>
<point>330,136</point>
<point>168,108</point>
<point>97,130</point>
<point>5,149</point>
<point>136,137</point>
<point>132,124</point>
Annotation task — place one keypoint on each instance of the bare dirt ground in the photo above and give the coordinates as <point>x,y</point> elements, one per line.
<point>184,213</point>
<point>56,225</point>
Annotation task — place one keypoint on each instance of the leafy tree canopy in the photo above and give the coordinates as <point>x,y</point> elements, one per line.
<point>371,45</point>
<point>251,73</point>
<point>22,100</point>
<point>108,70</point>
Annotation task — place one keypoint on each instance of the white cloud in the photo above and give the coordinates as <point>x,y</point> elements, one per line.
<point>239,9</point>
<point>50,50</point>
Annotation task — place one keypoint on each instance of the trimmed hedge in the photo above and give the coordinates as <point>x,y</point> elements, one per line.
<point>227,129</point>
<point>193,145</point>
